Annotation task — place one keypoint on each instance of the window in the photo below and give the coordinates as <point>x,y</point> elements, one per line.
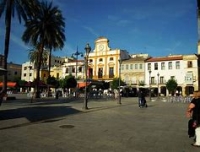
<point>73,70</point>
<point>152,80</point>
<point>131,66</point>
<point>15,73</point>
<point>127,66</point>
<point>111,58</point>
<point>155,66</point>
<point>141,66</point>
<point>80,69</point>
<point>25,68</point>
<point>100,60</point>
<point>189,64</point>
<point>149,66</point>
<point>100,73</point>
<point>111,72</point>
<point>30,74</point>
<point>90,73</point>
<point>163,66</point>
<point>90,60</point>
<point>170,65</point>
<point>162,80</point>
<point>136,66</point>
<point>67,70</point>
<point>177,64</point>
<point>172,77</point>
<point>24,74</point>
<point>122,67</point>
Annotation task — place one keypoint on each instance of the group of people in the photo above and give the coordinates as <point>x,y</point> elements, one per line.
<point>193,112</point>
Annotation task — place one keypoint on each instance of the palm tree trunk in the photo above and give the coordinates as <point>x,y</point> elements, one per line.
<point>40,52</point>
<point>7,42</point>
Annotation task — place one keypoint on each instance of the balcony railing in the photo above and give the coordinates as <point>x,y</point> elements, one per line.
<point>111,76</point>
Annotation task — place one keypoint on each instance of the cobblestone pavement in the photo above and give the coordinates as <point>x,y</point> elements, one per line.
<point>50,125</point>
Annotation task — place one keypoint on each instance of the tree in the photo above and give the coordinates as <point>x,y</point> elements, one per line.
<point>45,29</point>
<point>24,9</point>
<point>68,82</point>
<point>34,56</point>
<point>141,83</point>
<point>115,83</point>
<point>171,86</point>
<point>52,81</point>
<point>21,83</point>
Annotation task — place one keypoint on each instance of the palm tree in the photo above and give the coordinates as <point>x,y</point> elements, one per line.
<point>9,7</point>
<point>33,56</point>
<point>46,28</point>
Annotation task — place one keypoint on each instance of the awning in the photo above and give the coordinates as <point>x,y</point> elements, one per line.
<point>9,84</point>
<point>82,84</point>
<point>33,84</point>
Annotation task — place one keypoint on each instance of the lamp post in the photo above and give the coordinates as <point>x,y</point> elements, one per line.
<point>119,99</point>
<point>158,83</point>
<point>76,54</point>
<point>87,51</point>
<point>29,67</point>
<point>149,85</point>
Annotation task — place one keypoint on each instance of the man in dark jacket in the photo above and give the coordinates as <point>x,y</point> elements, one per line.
<point>194,112</point>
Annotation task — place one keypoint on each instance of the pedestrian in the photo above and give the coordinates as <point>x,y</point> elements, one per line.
<point>141,99</point>
<point>193,111</point>
<point>57,94</point>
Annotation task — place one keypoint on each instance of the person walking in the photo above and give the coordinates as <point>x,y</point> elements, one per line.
<point>193,111</point>
<point>141,99</point>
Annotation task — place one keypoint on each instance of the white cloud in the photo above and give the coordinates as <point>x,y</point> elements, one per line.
<point>113,18</point>
<point>18,41</point>
<point>123,22</point>
<point>91,30</point>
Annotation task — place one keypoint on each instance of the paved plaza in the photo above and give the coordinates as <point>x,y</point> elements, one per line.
<point>50,125</point>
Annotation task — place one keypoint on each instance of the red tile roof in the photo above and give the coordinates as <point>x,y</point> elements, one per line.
<point>169,58</point>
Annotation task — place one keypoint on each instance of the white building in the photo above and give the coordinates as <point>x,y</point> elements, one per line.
<point>28,71</point>
<point>73,67</point>
<point>182,68</point>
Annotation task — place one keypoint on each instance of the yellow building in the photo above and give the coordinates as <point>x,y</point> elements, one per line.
<point>133,70</point>
<point>104,61</point>
<point>57,72</point>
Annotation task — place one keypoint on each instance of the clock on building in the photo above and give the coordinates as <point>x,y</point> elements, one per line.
<point>101,47</point>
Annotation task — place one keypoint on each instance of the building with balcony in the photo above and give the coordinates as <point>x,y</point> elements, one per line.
<point>104,62</point>
<point>133,70</point>
<point>182,68</point>
<point>74,67</point>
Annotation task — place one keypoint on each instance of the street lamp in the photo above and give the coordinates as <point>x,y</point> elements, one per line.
<point>149,85</point>
<point>87,51</point>
<point>29,67</point>
<point>119,99</point>
<point>158,83</point>
<point>76,54</point>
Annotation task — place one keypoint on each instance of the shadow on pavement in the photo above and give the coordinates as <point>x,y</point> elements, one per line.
<point>34,114</point>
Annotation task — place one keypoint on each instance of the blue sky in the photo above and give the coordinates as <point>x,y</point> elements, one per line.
<point>156,27</point>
